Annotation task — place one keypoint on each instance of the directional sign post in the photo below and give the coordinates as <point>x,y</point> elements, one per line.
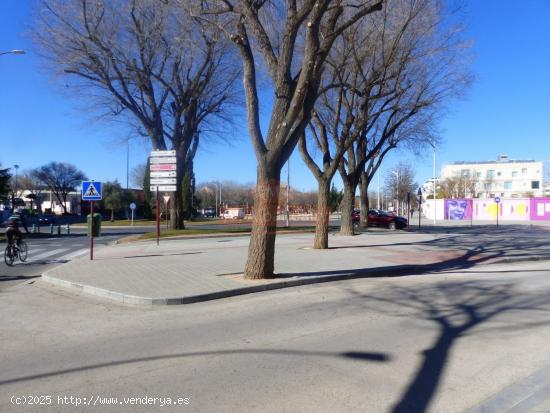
<point>163,177</point>
<point>91,191</point>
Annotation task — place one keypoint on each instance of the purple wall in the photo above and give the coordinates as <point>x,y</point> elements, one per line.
<point>540,209</point>
<point>458,209</point>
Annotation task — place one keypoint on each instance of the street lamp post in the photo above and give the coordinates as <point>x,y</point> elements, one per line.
<point>433,180</point>
<point>396,173</point>
<point>15,188</point>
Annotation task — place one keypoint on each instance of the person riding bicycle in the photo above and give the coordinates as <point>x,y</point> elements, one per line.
<point>13,223</point>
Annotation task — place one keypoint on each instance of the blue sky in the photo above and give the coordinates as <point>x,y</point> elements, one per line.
<point>507,110</point>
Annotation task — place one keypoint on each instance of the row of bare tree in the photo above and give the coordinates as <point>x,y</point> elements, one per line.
<point>349,80</point>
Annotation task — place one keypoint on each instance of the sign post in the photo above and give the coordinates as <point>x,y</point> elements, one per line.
<point>163,174</point>
<point>91,191</point>
<point>497,201</point>
<point>132,207</point>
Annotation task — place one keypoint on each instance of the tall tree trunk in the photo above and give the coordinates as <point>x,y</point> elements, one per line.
<point>323,214</point>
<point>261,250</point>
<point>364,197</point>
<point>348,202</point>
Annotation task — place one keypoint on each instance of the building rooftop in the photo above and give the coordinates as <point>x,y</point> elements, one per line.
<point>494,162</point>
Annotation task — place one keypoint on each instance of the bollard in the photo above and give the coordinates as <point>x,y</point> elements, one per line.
<point>51,229</point>
<point>59,230</point>
<point>68,229</point>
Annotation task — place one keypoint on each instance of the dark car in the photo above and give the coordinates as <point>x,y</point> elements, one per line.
<point>46,219</point>
<point>379,218</point>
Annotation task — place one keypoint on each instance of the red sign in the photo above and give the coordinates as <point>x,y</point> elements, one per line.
<point>163,167</point>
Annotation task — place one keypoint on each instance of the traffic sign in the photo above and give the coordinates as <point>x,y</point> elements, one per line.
<point>163,188</point>
<point>132,206</point>
<point>163,153</point>
<point>166,198</point>
<point>163,174</point>
<point>91,191</point>
<point>497,199</point>
<point>163,167</point>
<point>163,181</point>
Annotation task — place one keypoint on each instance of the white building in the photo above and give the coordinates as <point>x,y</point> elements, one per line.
<point>504,177</point>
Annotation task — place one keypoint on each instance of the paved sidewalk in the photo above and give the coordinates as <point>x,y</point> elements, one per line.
<point>190,270</point>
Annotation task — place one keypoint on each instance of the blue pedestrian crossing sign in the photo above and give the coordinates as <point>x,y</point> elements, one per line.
<point>91,191</point>
<point>497,199</point>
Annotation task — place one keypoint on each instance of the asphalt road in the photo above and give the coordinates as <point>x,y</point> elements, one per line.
<point>441,342</point>
<point>44,253</point>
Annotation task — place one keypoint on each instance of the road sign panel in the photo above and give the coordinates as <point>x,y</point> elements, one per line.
<point>497,199</point>
<point>163,153</point>
<point>163,174</point>
<point>91,191</point>
<point>132,206</point>
<point>163,167</point>
<point>163,181</point>
<point>166,159</point>
<point>163,188</point>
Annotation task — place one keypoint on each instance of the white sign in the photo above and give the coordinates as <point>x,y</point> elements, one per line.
<point>163,174</point>
<point>163,181</point>
<point>163,153</point>
<point>166,198</point>
<point>132,206</point>
<point>165,159</point>
<point>164,188</point>
<point>163,167</point>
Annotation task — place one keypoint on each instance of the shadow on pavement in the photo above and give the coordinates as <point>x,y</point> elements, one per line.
<point>456,308</point>
<point>356,355</point>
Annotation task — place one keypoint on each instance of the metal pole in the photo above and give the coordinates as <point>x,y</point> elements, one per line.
<point>434,197</point>
<point>127,162</point>
<point>378,200</point>
<point>91,230</point>
<point>287,193</point>
<point>216,193</point>
<point>158,216</point>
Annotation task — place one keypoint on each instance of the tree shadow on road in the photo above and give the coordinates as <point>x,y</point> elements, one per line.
<point>456,308</point>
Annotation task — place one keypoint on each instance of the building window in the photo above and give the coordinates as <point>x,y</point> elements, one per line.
<point>465,172</point>
<point>535,184</point>
<point>514,174</point>
<point>487,187</point>
<point>508,185</point>
<point>478,174</point>
<point>490,173</point>
<point>524,171</point>
<point>498,174</point>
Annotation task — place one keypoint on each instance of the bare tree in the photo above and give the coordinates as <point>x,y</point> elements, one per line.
<point>292,40</point>
<point>60,178</point>
<point>148,61</point>
<point>137,175</point>
<point>400,181</point>
<point>458,187</point>
<point>30,182</point>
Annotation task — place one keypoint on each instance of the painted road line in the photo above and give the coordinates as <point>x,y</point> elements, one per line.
<point>49,253</point>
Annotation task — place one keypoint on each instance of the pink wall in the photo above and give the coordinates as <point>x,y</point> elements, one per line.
<point>517,209</point>
<point>540,209</point>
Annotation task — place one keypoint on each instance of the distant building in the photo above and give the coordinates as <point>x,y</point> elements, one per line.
<point>504,177</point>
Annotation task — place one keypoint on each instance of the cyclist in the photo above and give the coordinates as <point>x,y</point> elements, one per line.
<point>13,223</point>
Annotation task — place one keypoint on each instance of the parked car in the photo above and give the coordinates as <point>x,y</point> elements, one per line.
<point>46,219</point>
<point>379,218</point>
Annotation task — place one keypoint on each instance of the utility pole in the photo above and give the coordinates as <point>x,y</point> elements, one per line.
<point>287,192</point>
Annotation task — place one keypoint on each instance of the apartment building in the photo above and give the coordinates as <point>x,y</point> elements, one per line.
<point>507,178</point>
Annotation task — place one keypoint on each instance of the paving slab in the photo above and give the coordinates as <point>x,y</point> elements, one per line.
<point>189,270</point>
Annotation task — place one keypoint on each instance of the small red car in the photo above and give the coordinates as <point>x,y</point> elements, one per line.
<point>379,218</point>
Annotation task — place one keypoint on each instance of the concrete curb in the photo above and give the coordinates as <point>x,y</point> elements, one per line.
<point>398,271</point>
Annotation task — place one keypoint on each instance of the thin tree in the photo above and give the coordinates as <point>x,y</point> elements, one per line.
<point>147,61</point>
<point>292,40</point>
<point>4,182</point>
<point>60,178</point>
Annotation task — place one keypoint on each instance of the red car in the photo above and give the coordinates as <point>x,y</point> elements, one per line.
<point>378,218</point>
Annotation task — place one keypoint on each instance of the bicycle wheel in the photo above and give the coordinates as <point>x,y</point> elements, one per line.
<point>23,251</point>
<point>9,257</point>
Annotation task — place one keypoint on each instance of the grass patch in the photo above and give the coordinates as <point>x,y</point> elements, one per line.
<point>195,231</point>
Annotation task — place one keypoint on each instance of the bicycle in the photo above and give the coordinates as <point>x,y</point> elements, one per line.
<point>14,250</point>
